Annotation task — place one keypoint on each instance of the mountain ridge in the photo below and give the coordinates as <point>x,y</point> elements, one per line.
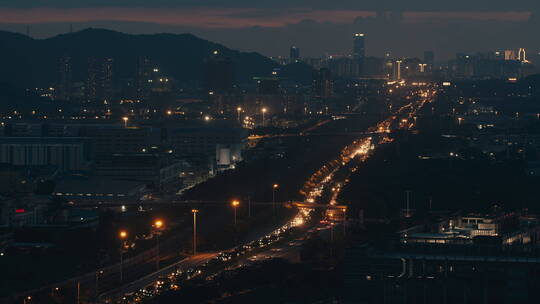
<point>29,62</point>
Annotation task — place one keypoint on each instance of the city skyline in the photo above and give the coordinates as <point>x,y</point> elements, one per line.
<point>201,151</point>
<point>317,30</point>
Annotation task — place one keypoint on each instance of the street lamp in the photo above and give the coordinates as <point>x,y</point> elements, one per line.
<point>158,225</point>
<point>122,235</point>
<point>27,299</point>
<point>239,109</point>
<point>125,119</point>
<point>263,112</point>
<point>274,188</point>
<point>98,273</point>
<point>235,205</point>
<point>194,211</point>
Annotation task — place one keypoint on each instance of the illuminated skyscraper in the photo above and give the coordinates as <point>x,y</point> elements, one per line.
<point>522,55</point>
<point>510,55</point>
<point>99,83</point>
<point>359,46</point>
<point>397,70</point>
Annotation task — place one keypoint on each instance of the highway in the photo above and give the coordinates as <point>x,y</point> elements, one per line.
<point>329,179</point>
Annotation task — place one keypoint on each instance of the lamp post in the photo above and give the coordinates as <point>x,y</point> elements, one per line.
<point>239,110</point>
<point>194,211</point>
<point>274,188</point>
<point>158,225</point>
<point>263,113</point>
<point>27,299</point>
<point>97,282</point>
<point>125,119</point>
<point>235,205</point>
<point>123,235</point>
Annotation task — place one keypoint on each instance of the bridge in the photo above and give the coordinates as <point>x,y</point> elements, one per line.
<point>201,203</point>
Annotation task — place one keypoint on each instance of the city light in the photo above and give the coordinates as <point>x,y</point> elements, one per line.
<point>123,234</point>
<point>158,224</point>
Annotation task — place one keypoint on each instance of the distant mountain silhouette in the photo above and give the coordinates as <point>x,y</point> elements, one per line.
<point>27,62</point>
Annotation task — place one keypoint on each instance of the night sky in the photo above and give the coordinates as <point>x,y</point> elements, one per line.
<point>317,27</point>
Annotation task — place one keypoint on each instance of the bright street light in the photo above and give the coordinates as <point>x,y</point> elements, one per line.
<point>194,211</point>
<point>239,109</point>
<point>125,119</point>
<point>235,204</point>
<point>158,225</point>
<point>263,120</point>
<point>274,188</point>
<point>123,235</point>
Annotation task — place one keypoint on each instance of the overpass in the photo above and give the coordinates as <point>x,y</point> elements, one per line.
<point>201,203</point>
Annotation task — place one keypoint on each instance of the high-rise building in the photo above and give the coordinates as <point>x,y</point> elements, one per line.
<point>218,74</point>
<point>99,84</point>
<point>107,79</point>
<point>65,80</point>
<point>397,70</point>
<point>323,85</point>
<point>294,54</point>
<point>144,77</point>
<point>359,46</point>
<point>522,55</point>
<point>510,55</point>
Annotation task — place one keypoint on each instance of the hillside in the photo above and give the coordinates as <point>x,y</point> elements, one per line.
<point>28,62</point>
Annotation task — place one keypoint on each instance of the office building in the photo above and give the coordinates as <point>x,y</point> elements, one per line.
<point>155,169</point>
<point>323,85</point>
<point>359,46</point>
<point>218,74</point>
<point>65,153</point>
<point>201,141</point>
<point>79,188</point>
<point>522,55</point>
<point>99,84</point>
<point>397,70</point>
<point>267,85</point>
<point>65,79</point>
<point>464,259</point>
<point>294,54</point>
<point>144,77</point>
<point>510,55</point>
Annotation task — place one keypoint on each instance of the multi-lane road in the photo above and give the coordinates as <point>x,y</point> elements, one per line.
<point>325,180</point>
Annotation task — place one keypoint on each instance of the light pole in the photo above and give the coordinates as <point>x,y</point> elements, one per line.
<point>263,120</point>
<point>158,225</point>
<point>27,299</point>
<point>97,282</point>
<point>235,205</point>
<point>239,109</point>
<point>194,211</point>
<point>274,188</point>
<point>123,235</point>
<point>125,119</point>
